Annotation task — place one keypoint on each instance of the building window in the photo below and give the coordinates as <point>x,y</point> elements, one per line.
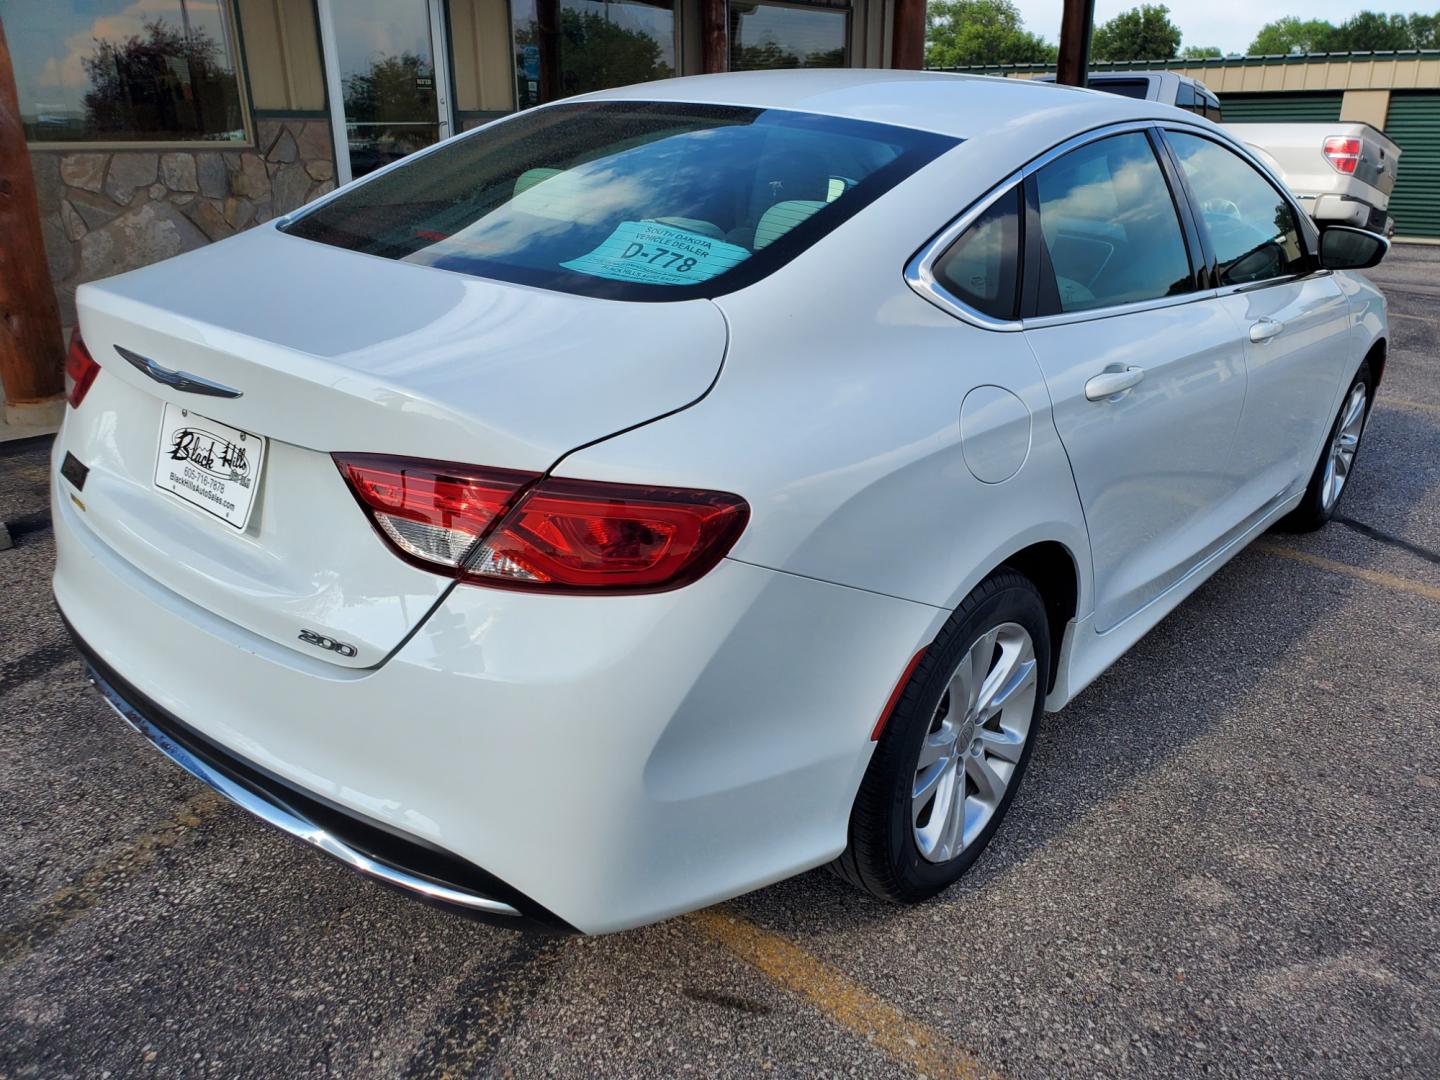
<point>565,47</point>
<point>780,35</point>
<point>124,70</point>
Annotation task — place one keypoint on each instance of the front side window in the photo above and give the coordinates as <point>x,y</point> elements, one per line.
<point>1252,228</point>
<point>1109,227</point>
<point>786,35</point>
<point>982,268</point>
<point>629,200</point>
<point>121,71</point>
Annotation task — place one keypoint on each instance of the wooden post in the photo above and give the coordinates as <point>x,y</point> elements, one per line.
<point>1076,22</point>
<point>31,352</point>
<point>907,39</point>
<point>547,33</point>
<point>714,36</point>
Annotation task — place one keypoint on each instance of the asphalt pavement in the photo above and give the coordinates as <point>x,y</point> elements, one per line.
<point>1223,862</point>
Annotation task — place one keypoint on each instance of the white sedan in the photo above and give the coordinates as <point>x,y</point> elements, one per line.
<point>651,496</point>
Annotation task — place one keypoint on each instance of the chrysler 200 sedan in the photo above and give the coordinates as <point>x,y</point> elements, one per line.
<point>651,496</point>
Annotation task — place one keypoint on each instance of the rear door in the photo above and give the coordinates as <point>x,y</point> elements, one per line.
<point>1145,369</point>
<point>1293,319</point>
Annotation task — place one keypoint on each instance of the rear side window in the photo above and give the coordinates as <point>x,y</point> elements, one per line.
<point>1109,228</point>
<point>1252,228</point>
<point>982,268</point>
<point>628,200</point>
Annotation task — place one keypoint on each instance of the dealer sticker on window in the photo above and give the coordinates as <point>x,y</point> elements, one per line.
<point>209,464</point>
<point>654,254</point>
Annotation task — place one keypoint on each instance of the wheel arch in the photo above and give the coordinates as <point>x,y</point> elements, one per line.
<point>1376,359</point>
<point>1053,569</point>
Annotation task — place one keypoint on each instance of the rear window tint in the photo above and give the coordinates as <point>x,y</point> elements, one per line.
<point>982,268</point>
<point>636,201</point>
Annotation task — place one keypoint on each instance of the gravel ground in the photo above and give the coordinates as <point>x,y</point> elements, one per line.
<point>1223,863</point>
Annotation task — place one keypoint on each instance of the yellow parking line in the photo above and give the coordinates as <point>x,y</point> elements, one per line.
<point>1375,577</point>
<point>839,997</point>
<point>1417,318</point>
<point>1405,403</point>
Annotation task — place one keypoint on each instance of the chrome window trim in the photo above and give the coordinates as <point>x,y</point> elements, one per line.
<point>1111,311</point>
<point>920,270</point>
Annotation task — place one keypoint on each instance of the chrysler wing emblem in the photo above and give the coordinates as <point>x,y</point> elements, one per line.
<point>177,380</point>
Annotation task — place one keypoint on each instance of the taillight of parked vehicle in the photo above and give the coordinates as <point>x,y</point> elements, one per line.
<point>570,536</point>
<point>80,370</point>
<point>1343,153</point>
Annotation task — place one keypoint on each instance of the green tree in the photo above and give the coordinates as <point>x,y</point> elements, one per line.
<point>1200,52</point>
<point>1367,31</point>
<point>1293,35</point>
<point>1142,33</point>
<point>1363,32</point>
<point>968,33</point>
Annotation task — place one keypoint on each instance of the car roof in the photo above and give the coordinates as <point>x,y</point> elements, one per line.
<point>965,106</point>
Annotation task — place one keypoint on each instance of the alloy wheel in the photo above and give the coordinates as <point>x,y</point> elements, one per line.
<point>1344,445</point>
<point>975,742</point>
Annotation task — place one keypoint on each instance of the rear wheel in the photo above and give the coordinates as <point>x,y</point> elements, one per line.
<point>955,747</point>
<point>1332,471</point>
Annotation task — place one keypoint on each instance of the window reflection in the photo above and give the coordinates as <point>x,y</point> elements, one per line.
<point>387,76</point>
<point>567,47</point>
<point>1109,227</point>
<point>776,35</point>
<point>109,70</point>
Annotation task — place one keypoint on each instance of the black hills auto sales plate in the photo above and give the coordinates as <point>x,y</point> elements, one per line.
<point>209,464</point>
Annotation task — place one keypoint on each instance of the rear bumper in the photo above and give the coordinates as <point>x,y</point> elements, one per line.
<point>426,872</point>
<point>607,761</point>
<point>1349,210</point>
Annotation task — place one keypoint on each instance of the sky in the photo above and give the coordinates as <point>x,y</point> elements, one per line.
<point>1230,24</point>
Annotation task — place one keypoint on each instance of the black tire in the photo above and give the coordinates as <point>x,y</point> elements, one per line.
<point>1312,513</point>
<point>882,856</point>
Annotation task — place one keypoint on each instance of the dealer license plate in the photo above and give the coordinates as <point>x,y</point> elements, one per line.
<point>209,464</point>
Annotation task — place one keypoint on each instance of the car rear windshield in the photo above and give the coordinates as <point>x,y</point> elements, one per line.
<point>633,201</point>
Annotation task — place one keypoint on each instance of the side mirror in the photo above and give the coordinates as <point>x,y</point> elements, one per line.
<point>1345,248</point>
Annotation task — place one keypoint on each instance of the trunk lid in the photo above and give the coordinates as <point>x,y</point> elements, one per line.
<point>337,352</point>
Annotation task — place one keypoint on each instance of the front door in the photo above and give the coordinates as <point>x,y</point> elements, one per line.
<point>384,61</point>
<point>1294,323</point>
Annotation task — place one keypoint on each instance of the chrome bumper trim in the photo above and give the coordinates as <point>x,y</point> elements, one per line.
<point>286,820</point>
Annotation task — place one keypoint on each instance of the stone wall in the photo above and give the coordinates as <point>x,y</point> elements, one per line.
<point>107,211</point>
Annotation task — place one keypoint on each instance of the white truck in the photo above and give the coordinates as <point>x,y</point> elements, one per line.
<point>1342,172</point>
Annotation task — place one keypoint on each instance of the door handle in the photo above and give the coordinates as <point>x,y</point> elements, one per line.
<point>1265,329</point>
<point>1109,384</point>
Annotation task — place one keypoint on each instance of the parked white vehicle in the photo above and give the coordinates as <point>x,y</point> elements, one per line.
<point>1347,182</point>
<point>654,495</point>
<point>1342,172</point>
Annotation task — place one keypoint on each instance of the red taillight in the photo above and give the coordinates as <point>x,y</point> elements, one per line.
<point>574,536</point>
<point>431,512</point>
<point>1342,152</point>
<point>80,370</point>
<point>582,536</point>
